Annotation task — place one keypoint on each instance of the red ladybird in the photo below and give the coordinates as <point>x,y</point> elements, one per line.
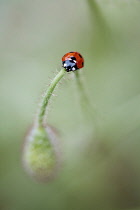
<point>72,61</point>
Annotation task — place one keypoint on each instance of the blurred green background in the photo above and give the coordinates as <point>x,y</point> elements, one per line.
<point>99,171</point>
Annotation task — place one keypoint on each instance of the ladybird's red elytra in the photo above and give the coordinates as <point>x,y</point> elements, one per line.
<point>72,61</point>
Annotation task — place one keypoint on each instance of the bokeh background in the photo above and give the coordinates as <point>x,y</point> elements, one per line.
<point>99,171</point>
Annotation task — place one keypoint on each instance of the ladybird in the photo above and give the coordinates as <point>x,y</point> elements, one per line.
<point>72,61</point>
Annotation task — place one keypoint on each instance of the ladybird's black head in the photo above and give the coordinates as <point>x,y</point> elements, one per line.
<point>70,65</point>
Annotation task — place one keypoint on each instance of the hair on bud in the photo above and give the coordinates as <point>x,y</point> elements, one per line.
<point>41,153</point>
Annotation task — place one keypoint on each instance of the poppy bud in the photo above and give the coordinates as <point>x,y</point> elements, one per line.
<point>41,153</point>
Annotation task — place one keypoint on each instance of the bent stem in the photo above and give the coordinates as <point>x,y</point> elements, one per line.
<point>47,96</point>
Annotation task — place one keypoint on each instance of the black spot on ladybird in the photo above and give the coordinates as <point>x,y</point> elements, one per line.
<point>80,56</point>
<point>73,58</point>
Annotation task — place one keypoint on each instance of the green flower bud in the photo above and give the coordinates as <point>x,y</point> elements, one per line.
<point>41,153</point>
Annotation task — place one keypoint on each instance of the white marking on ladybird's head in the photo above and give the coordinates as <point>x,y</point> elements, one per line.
<point>64,65</point>
<point>70,59</point>
<point>73,68</point>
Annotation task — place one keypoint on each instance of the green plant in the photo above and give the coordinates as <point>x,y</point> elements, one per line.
<point>41,150</point>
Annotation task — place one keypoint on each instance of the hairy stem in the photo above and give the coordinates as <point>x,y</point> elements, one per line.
<point>48,95</point>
